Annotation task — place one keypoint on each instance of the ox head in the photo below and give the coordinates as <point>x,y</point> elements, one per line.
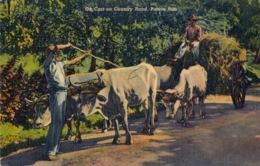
<point>170,95</point>
<point>42,115</point>
<point>84,89</point>
<point>94,102</point>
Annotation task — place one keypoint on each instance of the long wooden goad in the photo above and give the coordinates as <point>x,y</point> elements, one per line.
<point>96,57</point>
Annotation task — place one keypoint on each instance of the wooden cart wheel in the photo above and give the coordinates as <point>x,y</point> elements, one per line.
<point>238,85</point>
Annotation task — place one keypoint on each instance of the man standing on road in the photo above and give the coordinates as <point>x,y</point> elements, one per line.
<point>192,38</point>
<point>57,85</point>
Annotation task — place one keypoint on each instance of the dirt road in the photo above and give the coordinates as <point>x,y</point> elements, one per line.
<point>227,136</point>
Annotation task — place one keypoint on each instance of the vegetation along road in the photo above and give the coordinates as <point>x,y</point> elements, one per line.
<point>227,136</point>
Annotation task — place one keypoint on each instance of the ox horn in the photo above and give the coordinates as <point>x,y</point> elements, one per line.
<point>160,92</point>
<point>29,102</point>
<point>99,84</point>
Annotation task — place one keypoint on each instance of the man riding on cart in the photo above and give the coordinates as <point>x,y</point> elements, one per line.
<point>192,38</point>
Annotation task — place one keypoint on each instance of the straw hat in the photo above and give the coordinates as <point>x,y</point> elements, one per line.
<point>193,17</point>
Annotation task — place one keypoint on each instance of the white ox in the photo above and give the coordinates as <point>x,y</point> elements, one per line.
<point>192,84</point>
<point>42,113</point>
<point>125,87</point>
<point>167,76</point>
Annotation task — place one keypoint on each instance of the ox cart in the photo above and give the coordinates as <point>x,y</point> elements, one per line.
<point>223,58</point>
<point>223,51</point>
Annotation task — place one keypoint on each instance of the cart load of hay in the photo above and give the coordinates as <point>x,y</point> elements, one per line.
<point>217,54</point>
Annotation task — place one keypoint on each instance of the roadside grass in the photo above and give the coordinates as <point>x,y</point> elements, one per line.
<point>252,70</point>
<point>14,138</point>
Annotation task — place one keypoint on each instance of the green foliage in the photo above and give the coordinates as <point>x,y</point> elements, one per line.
<point>12,86</point>
<point>124,38</point>
<point>218,54</point>
<point>247,29</point>
<point>213,21</point>
<point>94,121</point>
<point>4,59</point>
<point>16,85</point>
<point>253,33</point>
<point>252,70</point>
<point>14,138</point>
<point>231,8</point>
<point>29,63</point>
<point>135,112</point>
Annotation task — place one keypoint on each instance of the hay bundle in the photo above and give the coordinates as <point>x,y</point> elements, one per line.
<point>217,54</point>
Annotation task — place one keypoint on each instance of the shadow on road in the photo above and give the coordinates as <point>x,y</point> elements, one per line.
<point>224,137</point>
<point>36,154</point>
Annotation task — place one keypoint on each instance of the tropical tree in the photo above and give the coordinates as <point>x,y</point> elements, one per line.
<point>247,31</point>
<point>254,38</point>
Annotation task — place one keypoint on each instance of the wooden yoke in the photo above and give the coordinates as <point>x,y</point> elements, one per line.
<point>88,87</point>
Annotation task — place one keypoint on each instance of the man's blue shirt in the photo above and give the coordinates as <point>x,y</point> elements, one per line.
<point>54,72</point>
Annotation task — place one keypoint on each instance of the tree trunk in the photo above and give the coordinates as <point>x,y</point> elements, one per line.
<point>93,49</point>
<point>93,60</point>
<point>9,7</point>
<point>257,56</point>
<point>106,48</point>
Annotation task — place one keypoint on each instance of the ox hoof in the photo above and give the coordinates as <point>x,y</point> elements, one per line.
<point>180,121</point>
<point>104,131</point>
<point>144,131</point>
<point>202,116</point>
<point>192,116</point>
<point>115,142</point>
<point>129,142</point>
<point>67,137</point>
<point>156,118</point>
<point>168,117</point>
<point>185,124</point>
<point>152,133</point>
<point>77,140</point>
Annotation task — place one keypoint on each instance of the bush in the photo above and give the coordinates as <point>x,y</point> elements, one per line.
<point>94,121</point>
<point>16,85</point>
<point>16,137</point>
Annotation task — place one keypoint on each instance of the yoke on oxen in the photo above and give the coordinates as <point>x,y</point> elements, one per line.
<point>77,89</point>
<point>91,86</point>
<point>79,85</point>
<point>85,83</point>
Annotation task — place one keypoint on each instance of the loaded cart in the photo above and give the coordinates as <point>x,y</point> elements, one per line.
<point>223,58</point>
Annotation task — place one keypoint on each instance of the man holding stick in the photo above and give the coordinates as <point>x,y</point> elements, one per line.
<point>57,85</point>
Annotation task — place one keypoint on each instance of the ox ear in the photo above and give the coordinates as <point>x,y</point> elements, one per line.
<point>171,91</point>
<point>99,84</point>
<point>28,102</point>
<point>159,91</point>
<point>101,98</point>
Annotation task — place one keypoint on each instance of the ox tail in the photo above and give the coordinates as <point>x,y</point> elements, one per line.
<point>152,92</point>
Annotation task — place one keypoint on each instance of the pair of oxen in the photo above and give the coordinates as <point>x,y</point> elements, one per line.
<point>111,92</point>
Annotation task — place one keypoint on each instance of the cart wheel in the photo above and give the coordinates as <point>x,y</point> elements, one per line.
<point>238,86</point>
